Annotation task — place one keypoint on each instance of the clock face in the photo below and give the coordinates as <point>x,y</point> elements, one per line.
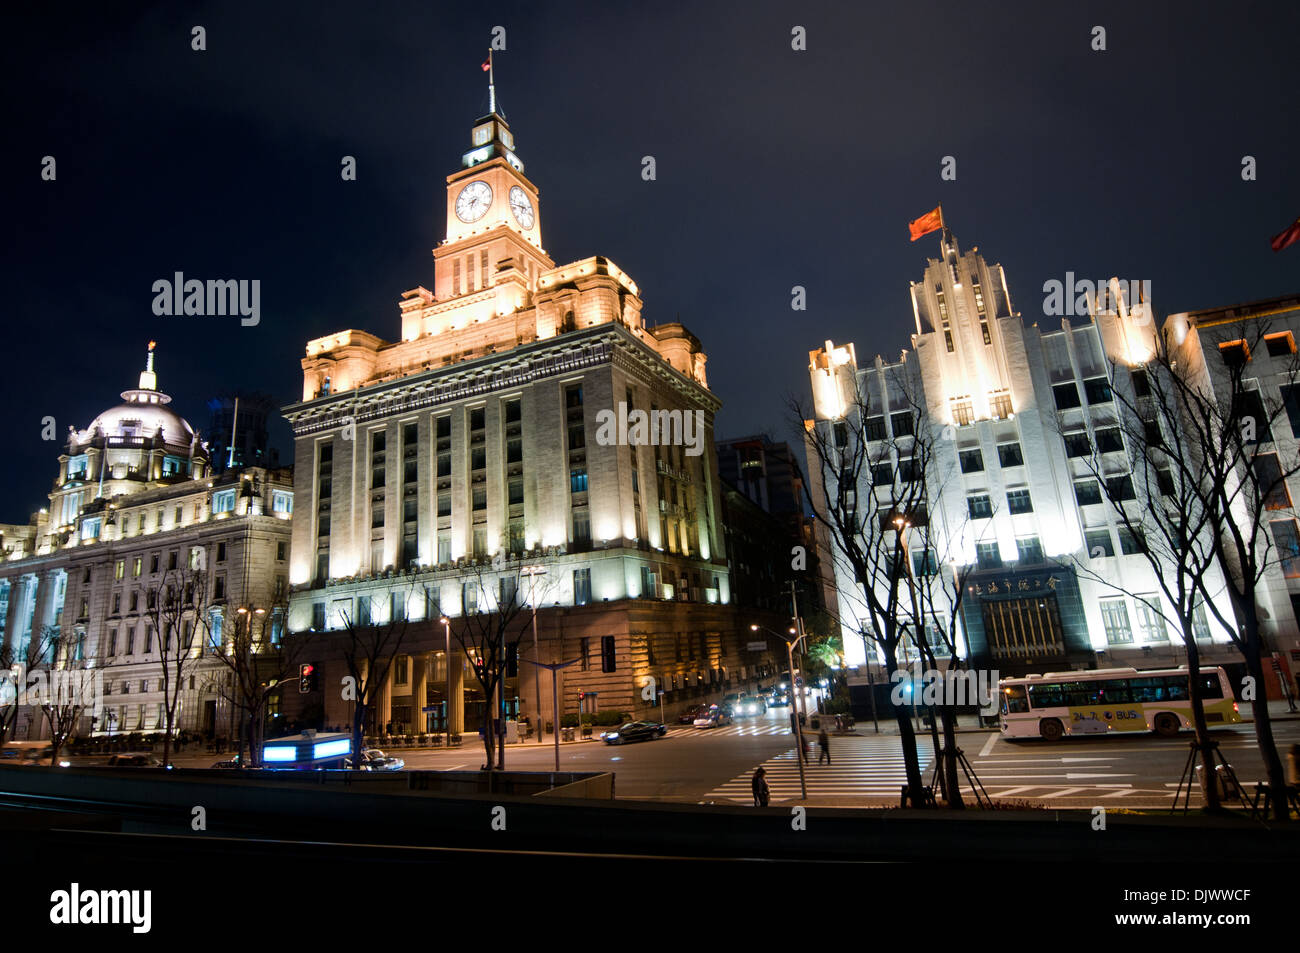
<point>473,202</point>
<point>522,207</point>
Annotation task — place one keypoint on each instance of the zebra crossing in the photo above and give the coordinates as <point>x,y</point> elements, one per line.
<point>860,767</point>
<point>737,730</point>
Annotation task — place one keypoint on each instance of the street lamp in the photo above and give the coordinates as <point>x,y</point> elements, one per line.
<point>446,715</point>
<point>798,726</point>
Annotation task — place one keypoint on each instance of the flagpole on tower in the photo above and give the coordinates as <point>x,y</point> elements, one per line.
<point>492,86</point>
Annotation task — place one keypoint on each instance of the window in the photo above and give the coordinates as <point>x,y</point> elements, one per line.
<point>979,507</point>
<point>478,458</point>
<point>223,501</point>
<point>137,566</point>
<point>281,501</point>
<point>882,474</point>
<point>903,424</point>
<point>1087,492</point>
<point>1120,487</point>
<point>1165,481</point>
<point>1018,501</point>
<point>1109,440</point>
<point>442,427</point>
<point>1066,395</point>
<point>1287,539</point>
<point>1098,543</point>
<point>479,497</point>
<point>1141,383</point>
<point>1291,401</point>
<point>515,492</point>
<point>221,552</point>
<point>909,471</point>
<point>581,527</point>
<point>119,569</point>
<point>1150,623</point>
<point>841,431</point>
<point>1114,617</point>
<point>581,587</point>
<point>1200,624</point>
<point>318,616</point>
<point>1130,542</point>
<point>925,562</point>
<point>578,480</point>
<point>963,415</point>
<point>999,401</point>
<point>1009,455</point>
<point>972,461</point>
<point>1097,390</point>
<point>281,550</point>
<point>608,656</point>
<point>875,428</point>
<point>507,589</point>
<point>1078,444</point>
<point>444,504</point>
<point>397,605</point>
<point>987,555</point>
<point>1029,549</point>
<point>514,450</point>
<point>1234,353</point>
<point>1270,485</point>
<point>1280,344</point>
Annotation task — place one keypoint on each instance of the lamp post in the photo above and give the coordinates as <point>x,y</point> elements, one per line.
<point>532,572</point>
<point>554,668</point>
<point>790,643</point>
<point>903,527</point>
<point>446,717</point>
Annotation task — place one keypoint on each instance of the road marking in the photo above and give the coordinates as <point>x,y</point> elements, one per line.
<point>1064,792</point>
<point>1028,761</point>
<point>988,745</point>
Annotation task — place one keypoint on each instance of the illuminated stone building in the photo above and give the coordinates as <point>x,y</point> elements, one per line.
<point>134,499</point>
<point>478,444</point>
<point>1019,409</point>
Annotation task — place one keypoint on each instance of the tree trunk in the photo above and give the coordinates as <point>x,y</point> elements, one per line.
<point>906,736</point>
<point>1203,746</point>
<point>358,720</point>
<point>1263,723</point>
<point>953,786</point>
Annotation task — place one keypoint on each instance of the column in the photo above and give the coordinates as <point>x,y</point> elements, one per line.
<point>383,701</point>
<point>419,676</point>
<point>456,704</point>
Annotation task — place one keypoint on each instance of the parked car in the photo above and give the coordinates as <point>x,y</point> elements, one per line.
<point>372,759</point>
<point>229,764</point>
<point>134,761</point>
<point>713,718</point>
<point>690,714</point>
<point>634,731</point>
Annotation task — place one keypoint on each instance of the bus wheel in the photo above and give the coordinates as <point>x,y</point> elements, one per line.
<point>1050,729</point>
<point>1167,725</point>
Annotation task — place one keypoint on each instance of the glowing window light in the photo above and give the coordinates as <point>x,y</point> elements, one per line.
<point>331,749</point>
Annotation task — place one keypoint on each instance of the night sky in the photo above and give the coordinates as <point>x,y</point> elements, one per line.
<point>775,168</point>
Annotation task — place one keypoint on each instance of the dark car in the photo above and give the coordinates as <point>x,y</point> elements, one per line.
<point>634,731</point>
<point>778,698</point>
<point>690,714</point>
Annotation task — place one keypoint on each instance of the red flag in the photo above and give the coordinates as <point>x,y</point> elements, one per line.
<point>927,223</point>
<point>1288,236</point>
<point>487,64</point>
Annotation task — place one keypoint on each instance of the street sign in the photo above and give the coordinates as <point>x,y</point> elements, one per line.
<point>756,646</point>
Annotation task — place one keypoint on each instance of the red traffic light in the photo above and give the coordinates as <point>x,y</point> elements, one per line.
<point>305,670</point>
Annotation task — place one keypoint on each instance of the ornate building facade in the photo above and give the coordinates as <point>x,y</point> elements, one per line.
<point>499,435</point>
<point>133,504</point>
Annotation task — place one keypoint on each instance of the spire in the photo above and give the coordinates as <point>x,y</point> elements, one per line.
<point>492,85</point>
<point>148,379</point>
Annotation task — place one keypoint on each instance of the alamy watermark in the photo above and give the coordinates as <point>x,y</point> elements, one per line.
<point>209,298</point>
<point>1077,297</point>
<point>977,687</point>
<point>76,688</point>
<point>640,428</point>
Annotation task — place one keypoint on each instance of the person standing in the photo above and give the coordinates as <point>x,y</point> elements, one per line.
<point>823,746</point>
<point>759,786</point>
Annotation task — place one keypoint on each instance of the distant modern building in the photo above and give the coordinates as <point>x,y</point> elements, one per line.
<point>1010,493</point>
<point>133,501</point>
<point>768,475</point>
<point>237,433</point>
<point>496,436</point>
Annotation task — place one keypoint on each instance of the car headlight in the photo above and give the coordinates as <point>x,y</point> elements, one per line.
<point>611,734</point>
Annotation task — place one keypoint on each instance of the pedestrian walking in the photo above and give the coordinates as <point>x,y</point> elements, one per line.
<point>823,746</point>
<point>761,792</point>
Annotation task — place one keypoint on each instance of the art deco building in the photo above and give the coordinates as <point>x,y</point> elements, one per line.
<point>1021,408</point>
<point>133,500</point>
<point>473,446</point>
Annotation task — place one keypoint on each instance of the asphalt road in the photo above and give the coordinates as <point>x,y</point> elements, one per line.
<point>715,765</point>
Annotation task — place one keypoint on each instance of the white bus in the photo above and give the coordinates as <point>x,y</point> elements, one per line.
<point>1110,700</point>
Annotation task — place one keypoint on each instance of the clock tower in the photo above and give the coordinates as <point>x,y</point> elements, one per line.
<point>493,221</point>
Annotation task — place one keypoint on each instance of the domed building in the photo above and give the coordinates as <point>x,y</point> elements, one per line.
<point>136,514</point>
<point>138,445</point>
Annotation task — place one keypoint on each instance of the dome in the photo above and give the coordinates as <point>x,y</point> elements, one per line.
<point>142,415</point>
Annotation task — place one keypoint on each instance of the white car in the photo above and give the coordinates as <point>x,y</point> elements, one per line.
<point>372,759</point>
<point>713,718</point>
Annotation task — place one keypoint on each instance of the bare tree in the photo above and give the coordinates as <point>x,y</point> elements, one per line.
<point>494,619</point>
<point>174,608</point>
<point>1161,502</point>
<point>258,666</point>
<point>1230,423</point>
<point>369,650</point>
<point>871,483</point>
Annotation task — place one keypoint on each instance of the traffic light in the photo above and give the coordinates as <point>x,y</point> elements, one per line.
<point>306,677</point>
<point>479,670</point>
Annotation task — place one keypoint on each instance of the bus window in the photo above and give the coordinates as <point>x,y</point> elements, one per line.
<point>1211,687</point>
<point>1116,692</point>
<point>1014,700</point>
